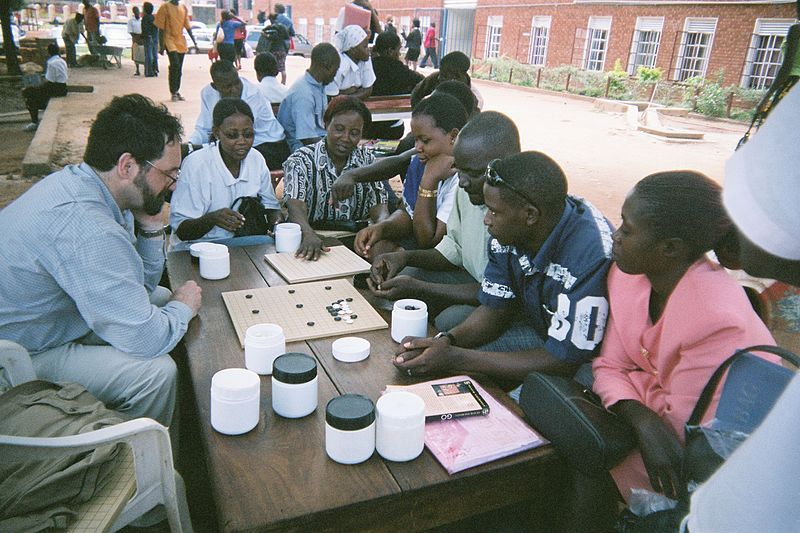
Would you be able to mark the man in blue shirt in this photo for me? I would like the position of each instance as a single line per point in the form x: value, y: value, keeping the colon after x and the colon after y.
x: 301, y: 112
x: 81, y: 254
x: 548, y: 258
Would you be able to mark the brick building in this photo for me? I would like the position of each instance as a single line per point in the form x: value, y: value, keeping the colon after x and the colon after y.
x: 740, y: 38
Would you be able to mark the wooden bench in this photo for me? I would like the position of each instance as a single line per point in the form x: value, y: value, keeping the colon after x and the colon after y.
x: 396, y: 107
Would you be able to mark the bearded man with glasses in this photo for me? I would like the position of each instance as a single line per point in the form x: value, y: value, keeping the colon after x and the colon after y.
x: 81, y: 254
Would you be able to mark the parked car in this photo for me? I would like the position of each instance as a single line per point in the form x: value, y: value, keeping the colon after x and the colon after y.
x: 299, y: 46
x: 253, y: 34
x: 204, y: 38
x: 17, y: 33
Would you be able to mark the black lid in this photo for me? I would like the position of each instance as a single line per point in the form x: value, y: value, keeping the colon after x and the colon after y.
x: 294, y: 368
x: 350, y: 412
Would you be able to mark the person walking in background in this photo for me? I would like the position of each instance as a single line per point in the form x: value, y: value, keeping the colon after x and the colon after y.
x: 273, y: 40
x: 150, y: 41
x: 137, y: 44
x: 413, y: 44
x: 389, y: 26
x: 282, y: 18
x: 91, y: 20
x: 228, y: 26
x: 73, y: 28
x: 172, y: 19
x: 239, y: 35
x: 430, y: 47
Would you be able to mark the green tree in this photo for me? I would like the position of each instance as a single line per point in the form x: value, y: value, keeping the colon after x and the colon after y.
x: 7, y: 7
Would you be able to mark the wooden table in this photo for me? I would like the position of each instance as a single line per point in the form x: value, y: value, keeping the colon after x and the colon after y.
x: 278, y: 475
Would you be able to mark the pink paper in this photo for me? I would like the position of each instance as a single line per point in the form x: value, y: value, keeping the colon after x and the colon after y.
x: 471, y: 441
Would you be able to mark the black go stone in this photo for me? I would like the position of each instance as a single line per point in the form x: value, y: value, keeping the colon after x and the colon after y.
x: 349, y: 299
x: 337, y: 318
x: 327, y: 287
x: 310, y: 323
x: 248, y: 296
x: 353, y: 316
x: 255, y: 311
x: 410, y: 308
x: 291, y: 291
x: 299, y: 306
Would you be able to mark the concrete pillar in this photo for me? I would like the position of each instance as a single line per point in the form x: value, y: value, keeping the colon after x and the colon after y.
x: 51, y: 12
x: 66, y: 12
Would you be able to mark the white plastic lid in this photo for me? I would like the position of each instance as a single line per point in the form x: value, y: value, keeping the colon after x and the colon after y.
x: 264, y: 333
x: 235, y: 384
x: 214, y: 250
x: 350, y: 349
x: 398, y: 407
x: 197, y: 248
x: 410, y: 307
x: 287, y: 227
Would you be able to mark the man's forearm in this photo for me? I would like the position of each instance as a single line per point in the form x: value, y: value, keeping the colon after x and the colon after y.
x: 430, y: 259
x: 449, y: 294
x: 511, y: 365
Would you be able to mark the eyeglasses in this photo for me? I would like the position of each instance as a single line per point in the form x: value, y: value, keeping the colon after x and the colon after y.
x: 174, y: 178
x: 495, y: 180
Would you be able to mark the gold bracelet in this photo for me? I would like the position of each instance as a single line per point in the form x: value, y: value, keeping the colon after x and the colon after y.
x: 427, y: 193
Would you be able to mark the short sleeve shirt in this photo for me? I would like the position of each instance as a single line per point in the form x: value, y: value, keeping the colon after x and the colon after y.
x: 309, y: 175
x: 562, y: 289
x: 446, y: 191
x: 302, y: 111
x: 206, y: 185
x: 351, y: 74
x: 464, y: 244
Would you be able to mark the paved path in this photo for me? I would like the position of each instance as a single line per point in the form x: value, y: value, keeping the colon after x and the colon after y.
x: 601, y: 157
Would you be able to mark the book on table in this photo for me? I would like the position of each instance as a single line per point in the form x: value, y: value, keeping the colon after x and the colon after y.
x: 448, y: 400
x: 465, y: 441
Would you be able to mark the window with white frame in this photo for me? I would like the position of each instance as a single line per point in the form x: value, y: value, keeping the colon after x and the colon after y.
x: 494, y: 29
x: 302, y: 26
x: 405, y: 25
x: 424, y: 24
x: 540, y: 33
x: 696, y: 42
x: 594, y: 56
x: 646, y: 40
x: 765, y: 55
x: 319, y: 30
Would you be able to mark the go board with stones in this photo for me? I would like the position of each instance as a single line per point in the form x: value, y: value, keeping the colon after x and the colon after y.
x: 304, y: 311
x: 339, y: 262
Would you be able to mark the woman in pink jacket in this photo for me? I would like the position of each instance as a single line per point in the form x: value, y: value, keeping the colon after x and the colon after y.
x: 675, y: 317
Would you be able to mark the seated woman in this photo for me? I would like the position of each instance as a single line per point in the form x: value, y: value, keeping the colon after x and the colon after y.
x: 213, y: 177
x: 311, y: 170
x: 674, y: 318
x: 355, y: 76
x: 430, y: 185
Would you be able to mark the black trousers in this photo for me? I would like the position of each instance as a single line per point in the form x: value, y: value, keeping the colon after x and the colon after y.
x: 175, y: 71
x: 36, y: 98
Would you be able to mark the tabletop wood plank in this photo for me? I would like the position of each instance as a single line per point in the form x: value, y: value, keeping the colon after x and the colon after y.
x: 277, y: 474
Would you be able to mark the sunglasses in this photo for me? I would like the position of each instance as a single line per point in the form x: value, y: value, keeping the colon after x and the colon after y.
x: 174, y: 178
x: 495, y: 180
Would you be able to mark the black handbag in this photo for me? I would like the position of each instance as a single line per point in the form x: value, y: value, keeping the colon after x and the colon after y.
x: 751, y: 388
x: 591, y: 438
x: 256, y: 220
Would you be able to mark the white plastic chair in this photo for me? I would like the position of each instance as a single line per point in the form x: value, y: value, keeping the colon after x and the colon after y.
x: 155, y: 480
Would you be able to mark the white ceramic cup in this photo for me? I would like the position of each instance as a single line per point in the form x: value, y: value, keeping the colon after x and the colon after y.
x: 287, y: 237
x: 409, y: 319
x: 262, y: 344
x: 215, y: 261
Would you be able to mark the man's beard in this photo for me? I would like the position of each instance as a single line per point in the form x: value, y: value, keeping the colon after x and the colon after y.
x: 152, y: 204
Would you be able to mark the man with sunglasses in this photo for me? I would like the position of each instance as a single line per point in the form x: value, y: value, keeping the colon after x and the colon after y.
x: 548, y: 258
x: 81, y: 254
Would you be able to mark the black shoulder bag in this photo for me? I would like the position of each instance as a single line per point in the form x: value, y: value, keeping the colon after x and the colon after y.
x: 256, y: 220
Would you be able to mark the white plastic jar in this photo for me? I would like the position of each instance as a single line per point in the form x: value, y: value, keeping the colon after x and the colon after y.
x: 350, y: 429
x: 262, y: 344
x: 215, y: 261
x: 288, y: 237
x: 409, y: 319
x: 294, y: 385
x: 400, y: 426
x: 235, y: 400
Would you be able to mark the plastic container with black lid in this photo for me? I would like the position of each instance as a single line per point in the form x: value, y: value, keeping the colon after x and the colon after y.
x: 294, y: 385
x: 350, y: 429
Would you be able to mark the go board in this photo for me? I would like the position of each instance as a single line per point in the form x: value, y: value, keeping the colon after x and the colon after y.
x: 339, y: 262
x: 302, y: 310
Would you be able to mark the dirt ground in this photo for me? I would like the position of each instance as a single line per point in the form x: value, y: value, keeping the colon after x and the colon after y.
x: 602, y: 158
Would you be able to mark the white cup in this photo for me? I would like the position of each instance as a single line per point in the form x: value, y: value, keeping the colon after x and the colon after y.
x: 262, y: 344
x: 409, y: 319
x: 215, y: 261
x: 287, y: 237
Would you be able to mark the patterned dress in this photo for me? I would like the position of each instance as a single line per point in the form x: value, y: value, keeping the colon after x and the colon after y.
x: 309, y: 175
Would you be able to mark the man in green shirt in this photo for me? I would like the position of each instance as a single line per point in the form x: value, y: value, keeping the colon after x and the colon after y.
x: 448, y: 276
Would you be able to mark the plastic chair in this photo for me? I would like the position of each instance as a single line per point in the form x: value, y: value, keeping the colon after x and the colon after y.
x: 150, y: 459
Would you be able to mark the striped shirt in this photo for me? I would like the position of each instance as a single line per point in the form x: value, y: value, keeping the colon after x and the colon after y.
x: 70, y: 265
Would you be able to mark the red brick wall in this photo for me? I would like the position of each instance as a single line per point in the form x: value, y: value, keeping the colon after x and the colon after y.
x: 734, y: 27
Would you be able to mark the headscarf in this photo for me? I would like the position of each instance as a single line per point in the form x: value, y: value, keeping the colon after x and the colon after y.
x: 762, y: 182
x: 349, y: 37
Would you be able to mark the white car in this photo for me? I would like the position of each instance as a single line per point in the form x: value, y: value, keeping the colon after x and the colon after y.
x: 116, y: 34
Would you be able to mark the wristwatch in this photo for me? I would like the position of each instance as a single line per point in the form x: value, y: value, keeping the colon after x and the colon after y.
x: 152, y: 234
x: 447, y: 334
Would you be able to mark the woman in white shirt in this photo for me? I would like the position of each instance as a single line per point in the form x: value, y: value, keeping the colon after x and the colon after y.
x: 213, y: 177
x: 137, y: 42
x: 355, y: 76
